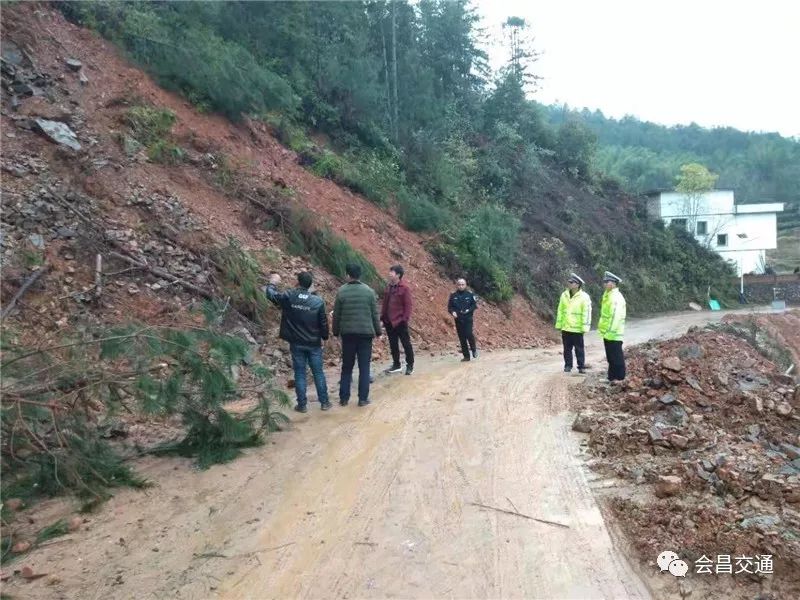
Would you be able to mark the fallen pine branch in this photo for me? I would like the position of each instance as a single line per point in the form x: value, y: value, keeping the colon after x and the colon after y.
x: 519, y: 514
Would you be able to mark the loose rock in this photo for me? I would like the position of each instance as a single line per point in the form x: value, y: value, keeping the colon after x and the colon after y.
x: 668, y: 485
x: 58, y: 133
x: 582, y: 424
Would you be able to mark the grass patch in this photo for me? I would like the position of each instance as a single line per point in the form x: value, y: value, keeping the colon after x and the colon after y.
x: 149, y: 124
x: 151, y: 127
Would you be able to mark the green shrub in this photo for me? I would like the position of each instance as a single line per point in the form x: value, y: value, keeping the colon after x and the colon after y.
x: 484, y: 275
x: 165, y: 152
x: 226, y: 173
x: 52, y: 531
x: 373, y: 176
x: 151, y: 127
x: 418, y: 213
x: 240, y: 280
x: 149, y: 124
x: 575, y: 148
x: 482, y: 249
x: 288, y: 132
x: 330, y: 166
x: 490, y: 232
x: 306, y: 237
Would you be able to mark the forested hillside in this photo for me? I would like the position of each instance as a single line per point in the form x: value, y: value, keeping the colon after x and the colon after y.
x: 161, y: 159
x: 760, y: 167
x: 396, y: 101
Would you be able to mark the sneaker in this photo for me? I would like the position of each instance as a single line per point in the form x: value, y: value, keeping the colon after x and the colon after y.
x: 301, y: 409
x: 475, y: 353
x: 325, y: 405
x: 582, y: 371
x: 363, y: 402
x: 567, y: 369
x: 409, y: 370
x: 343, y: 402
x: 394, y: 369
x: 465, y: 359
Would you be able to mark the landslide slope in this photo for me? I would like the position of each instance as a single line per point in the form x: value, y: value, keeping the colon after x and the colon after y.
x: 175, y: 211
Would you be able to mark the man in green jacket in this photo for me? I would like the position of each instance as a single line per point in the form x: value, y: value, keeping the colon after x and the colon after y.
x: 612, y: 326
x: 573, y: 319
x: 355, y: 319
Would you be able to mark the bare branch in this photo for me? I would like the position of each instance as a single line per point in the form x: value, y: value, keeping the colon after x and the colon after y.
x: 25, y: 286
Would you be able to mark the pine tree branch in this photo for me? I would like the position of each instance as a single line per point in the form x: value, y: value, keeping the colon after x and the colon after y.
x: 74, y: 344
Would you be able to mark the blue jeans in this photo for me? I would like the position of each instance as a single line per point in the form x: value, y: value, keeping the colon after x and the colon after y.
x: 355, y: 347
x: 308, y: 355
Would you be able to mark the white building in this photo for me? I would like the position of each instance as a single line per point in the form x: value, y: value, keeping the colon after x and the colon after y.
x: 740, y: 233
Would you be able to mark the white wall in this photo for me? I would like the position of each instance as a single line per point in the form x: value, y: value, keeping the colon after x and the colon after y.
x: 674, y: 204
x: 745, y: 261
x: 749, y: 232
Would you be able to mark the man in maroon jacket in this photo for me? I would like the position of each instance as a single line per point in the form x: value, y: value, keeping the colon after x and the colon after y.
x: 395, y: 315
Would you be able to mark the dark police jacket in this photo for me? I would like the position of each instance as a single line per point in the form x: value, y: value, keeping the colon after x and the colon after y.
x: 303, y: 318
x: 462, y: 303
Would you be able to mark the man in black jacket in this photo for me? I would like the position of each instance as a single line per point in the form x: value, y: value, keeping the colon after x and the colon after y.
x: 304, y: 324
x: 461, y: 306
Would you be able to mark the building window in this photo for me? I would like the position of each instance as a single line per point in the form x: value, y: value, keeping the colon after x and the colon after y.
x: 702, y: 227
x: 722, y: 239
x: 681, y: 223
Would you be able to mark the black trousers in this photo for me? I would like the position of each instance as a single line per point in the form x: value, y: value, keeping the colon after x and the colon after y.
x: 573, y: 340
x: 465, y: 336
x: 399, y: 335
x: 616, y: 360
x: 355, y: 346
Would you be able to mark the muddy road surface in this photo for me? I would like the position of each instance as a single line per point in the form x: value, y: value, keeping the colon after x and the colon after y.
x: 377, y: 502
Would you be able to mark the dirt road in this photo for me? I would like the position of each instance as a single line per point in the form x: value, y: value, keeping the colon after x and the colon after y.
x: 391, y: 492
x: 377, y: 502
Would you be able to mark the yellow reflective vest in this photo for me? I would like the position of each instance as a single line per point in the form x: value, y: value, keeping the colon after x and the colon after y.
x: 612, y: 315
x: 574, y: 312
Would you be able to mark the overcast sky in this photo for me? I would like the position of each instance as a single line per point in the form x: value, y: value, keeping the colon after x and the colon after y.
x: 672, y: 62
